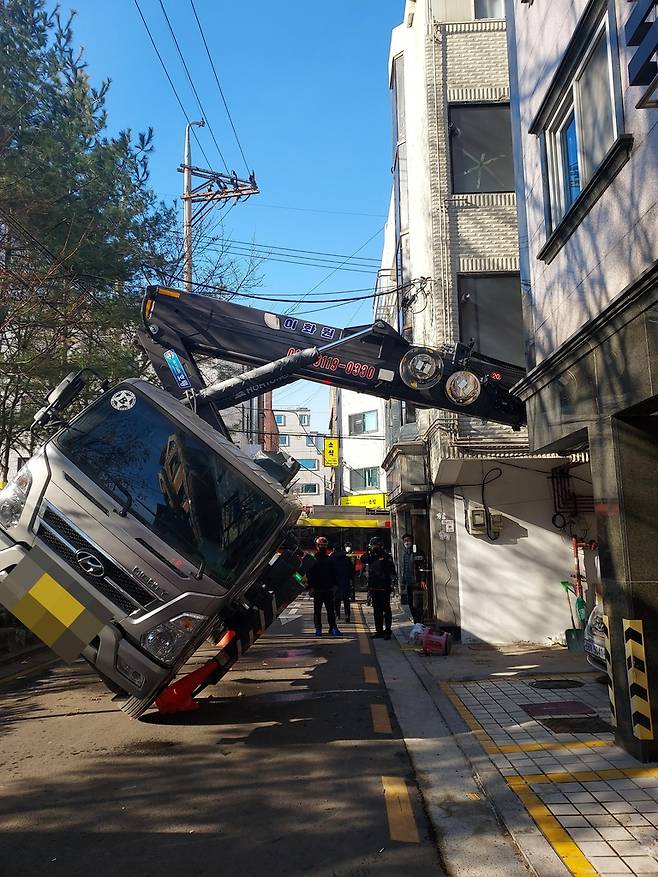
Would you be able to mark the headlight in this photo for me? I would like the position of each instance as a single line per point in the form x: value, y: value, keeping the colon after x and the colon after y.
x: 168, y: 639
x: 13, y: 498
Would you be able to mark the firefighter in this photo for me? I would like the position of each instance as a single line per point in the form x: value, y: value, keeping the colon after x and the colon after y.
x: 381, y: 570
x: 322, y: 585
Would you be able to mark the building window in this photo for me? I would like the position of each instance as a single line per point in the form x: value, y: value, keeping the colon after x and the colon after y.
x: 284, y: 441
x: 489, y: 8
x: 304, y: 419
x: 280, y: 419
x: 584, y: 126
x: 308, y: 463
x: 490, y: 314
x: 367, y: 421
x: 481, y: 148
x: 310, y: 441
x: 364, y: 479
x: 306, y: 488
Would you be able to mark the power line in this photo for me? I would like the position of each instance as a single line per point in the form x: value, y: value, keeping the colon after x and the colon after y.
x: 212, y: 64
x: 191, y: 81
x: 331, y: 273
x: 265, y: 257
x: 300, y: 250
x: 173, y: 87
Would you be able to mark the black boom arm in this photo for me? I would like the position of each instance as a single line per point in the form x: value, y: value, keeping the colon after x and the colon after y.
x: 373, y: 359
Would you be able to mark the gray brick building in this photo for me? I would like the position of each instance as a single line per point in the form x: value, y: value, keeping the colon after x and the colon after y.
x: 451, y: 261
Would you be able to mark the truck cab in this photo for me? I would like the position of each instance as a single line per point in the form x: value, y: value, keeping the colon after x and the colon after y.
x: 152, y: 526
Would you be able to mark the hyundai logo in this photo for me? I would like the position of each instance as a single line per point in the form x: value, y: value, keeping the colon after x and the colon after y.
x: 90, y: 564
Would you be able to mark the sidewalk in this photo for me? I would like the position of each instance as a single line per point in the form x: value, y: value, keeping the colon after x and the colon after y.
x: 521, y: 735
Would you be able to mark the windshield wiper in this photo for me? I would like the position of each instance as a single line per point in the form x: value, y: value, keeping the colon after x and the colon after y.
x: 127, y: 505
x: 200, y: 571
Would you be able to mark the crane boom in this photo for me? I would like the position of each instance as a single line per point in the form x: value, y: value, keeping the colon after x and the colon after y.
x: 373, y: 359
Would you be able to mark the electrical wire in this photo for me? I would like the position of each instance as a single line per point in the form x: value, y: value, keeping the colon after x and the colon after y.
x: 173, y: 87
x: 192, y: 85
x: 287, y: 259
x: 221, y: 92
x: 331, y: 273
x: 276, y: 298
x: 297, y: 250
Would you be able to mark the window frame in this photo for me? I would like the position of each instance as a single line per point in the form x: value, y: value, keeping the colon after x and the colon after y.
x: 280, y: 419
x: 304, y: 419
x: 572, y: 102
x: 298, y: 488
x: 460, y: 105
x: 351, y: 418
x: 485, y: 275
x: 311, y: 441
x: 366, y: 487
x: 284, y: 440
x: 313, y: 460
x: 488, y: 18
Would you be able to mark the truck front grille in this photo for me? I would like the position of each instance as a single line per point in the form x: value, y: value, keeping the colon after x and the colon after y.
x: 117, y: 585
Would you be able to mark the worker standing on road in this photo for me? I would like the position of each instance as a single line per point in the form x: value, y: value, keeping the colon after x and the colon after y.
x: 344, y: 578
x: 411, y: 578
x: 381, y: 570
x: 322, y: 585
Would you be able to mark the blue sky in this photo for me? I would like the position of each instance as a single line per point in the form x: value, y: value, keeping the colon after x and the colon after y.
x: 306, y: 85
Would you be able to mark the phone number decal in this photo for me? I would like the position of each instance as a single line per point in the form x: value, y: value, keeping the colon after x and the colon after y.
x: 335, y: 364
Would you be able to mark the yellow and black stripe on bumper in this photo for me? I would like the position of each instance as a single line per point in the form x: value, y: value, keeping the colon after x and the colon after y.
x: 53, y: 605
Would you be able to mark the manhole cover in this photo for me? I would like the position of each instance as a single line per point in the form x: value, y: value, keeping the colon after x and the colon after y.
x: 577, y: 725
x: 558, y: 709
x: 556, y: 683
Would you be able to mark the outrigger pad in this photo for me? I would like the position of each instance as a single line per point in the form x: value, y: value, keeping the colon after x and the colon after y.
x: 52, y: 605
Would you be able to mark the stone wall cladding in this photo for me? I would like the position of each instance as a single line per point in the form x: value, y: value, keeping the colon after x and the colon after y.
x: 466, y: 62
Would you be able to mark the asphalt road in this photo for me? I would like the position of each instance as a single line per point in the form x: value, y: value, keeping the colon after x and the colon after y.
x: 293, y: 765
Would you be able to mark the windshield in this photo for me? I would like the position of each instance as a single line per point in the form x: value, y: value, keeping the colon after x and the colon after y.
x: 171, y: 481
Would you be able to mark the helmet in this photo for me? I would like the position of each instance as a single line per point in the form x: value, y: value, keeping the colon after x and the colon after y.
x: 322, y: 542
x: 376, y: 540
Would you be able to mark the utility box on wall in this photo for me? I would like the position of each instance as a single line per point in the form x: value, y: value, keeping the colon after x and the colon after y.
x: 476, y: 522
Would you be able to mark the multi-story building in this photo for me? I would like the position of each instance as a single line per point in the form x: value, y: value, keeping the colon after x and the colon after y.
x: 359, y: 422
x: 584, y: 78
x: 297, y: 438
x: 479, y: 507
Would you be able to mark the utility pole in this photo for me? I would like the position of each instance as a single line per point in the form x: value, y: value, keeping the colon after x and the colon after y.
x: 187, y: 205
x: 213, y: 188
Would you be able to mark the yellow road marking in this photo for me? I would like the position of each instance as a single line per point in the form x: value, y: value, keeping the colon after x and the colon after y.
x: 381, y: 721
x: 401, y: 822
x: 558, y: 838
x: 370, y: 675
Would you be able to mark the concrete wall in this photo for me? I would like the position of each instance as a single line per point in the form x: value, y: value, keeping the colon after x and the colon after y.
x: 616, y: 240
x: 510, y: 589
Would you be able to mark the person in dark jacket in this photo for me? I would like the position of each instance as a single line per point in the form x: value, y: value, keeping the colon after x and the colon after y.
x: 322, y: 583
x: 344, y: 579
x: 411, y: 578
x: 381, y: 570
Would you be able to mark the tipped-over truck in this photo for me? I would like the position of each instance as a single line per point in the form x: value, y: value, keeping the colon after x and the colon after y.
x: 139, y: 529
